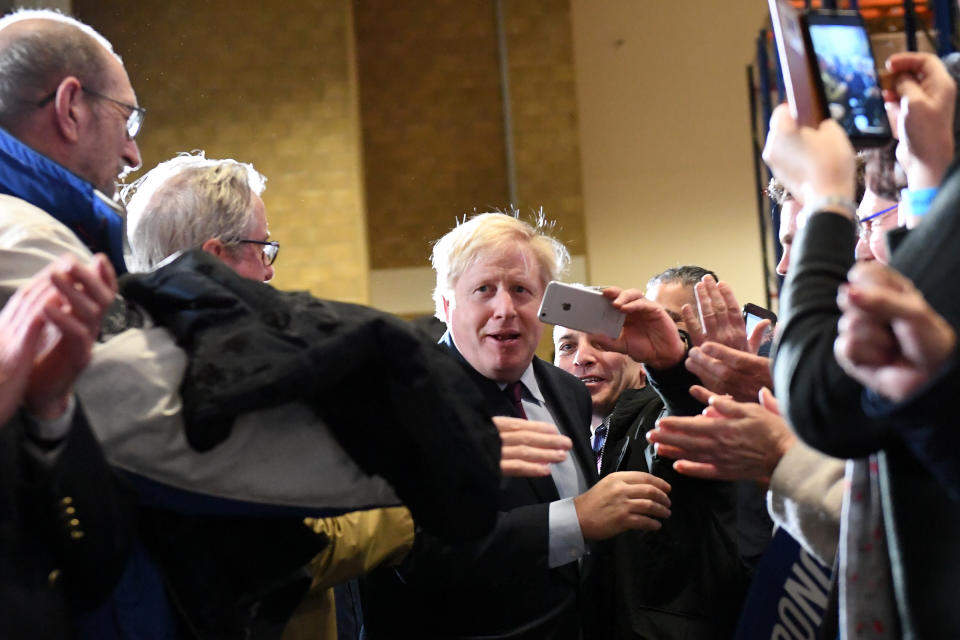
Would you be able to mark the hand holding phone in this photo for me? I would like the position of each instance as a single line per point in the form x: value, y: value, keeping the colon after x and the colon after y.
x: 580, y: 308
x: 830, y: 71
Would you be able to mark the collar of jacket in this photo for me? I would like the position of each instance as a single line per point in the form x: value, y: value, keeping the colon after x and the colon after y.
x: 629, y: 405
x: 97, y: 220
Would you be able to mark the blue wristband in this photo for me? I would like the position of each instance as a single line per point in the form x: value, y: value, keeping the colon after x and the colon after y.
x: 918, y: 200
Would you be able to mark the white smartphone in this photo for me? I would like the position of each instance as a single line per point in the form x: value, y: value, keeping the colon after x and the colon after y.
x: 582, y: 309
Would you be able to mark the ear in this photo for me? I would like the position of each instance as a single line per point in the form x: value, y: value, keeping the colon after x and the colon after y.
x: 215, y: 247
x: 447, y: 306
x: 70, y: 109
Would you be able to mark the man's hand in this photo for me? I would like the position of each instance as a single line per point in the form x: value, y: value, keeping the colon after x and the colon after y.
x: 528, y: 447
x: 926, y: 93
x: 718, y: 318
x: 622, y: 501
x: 729, y: 441
x: 810, y: 162
x: 76, y: 298
x: 889, y: 339
x: 728, y: 371
x: 649, y: 335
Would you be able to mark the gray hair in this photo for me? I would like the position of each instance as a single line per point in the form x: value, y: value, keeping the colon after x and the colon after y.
x: 455, y: 252
x: 184, y: 202
x: 688, y: 275
x: 34, y: 61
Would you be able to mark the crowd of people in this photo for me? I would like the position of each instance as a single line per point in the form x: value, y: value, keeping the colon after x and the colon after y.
x: 187, y: 452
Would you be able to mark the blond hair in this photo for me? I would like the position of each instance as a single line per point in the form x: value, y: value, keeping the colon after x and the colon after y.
x: 460, y: 248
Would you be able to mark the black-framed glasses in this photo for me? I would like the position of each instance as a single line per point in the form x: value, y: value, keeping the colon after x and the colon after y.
x: 270, y: 250
x: 134, y: 120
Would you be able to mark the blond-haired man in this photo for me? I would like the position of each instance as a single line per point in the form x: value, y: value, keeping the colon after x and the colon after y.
x: 530, y: 577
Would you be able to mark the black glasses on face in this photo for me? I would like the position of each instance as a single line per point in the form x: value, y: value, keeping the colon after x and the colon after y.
x: 134, y: 120
x: 270, y: 250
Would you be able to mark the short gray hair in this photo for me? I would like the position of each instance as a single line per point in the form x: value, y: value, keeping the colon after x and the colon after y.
x: 455, y: 252
x: 687, y: 275
x: 184, y: 202
x: 34, y: 61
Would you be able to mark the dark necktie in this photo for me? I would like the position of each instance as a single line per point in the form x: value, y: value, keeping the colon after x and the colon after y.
x: 514, y: 390
x: 599, y: 437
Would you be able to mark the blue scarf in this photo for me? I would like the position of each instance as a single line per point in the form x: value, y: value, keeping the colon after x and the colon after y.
x: 95, y: 218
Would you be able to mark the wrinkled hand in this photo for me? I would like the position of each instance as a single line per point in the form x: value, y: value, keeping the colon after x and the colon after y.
x: 528, y: 447
x: 718, y: 318
x: 729, y: 441
x: 889, y: 339
x: 926, y: 93
x: 649, y: 335
x: 622, y: 501
x: 728, y: 371
x: 77, y: 297
x: 810, y: 162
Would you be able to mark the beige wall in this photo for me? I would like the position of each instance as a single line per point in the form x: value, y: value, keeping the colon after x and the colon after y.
x: 273, y: 84
x: 665, y: 138
x: 631, y: 125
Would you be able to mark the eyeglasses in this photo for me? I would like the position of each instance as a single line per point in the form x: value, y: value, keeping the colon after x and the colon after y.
x: 867, y: 222
x: 270, y: 250
x: 134, y: 120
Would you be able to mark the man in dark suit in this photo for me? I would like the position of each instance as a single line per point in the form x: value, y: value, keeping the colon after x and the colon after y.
x: 530, y: 577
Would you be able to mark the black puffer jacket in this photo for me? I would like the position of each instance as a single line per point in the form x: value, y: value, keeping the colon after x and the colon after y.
x: 400, y: 406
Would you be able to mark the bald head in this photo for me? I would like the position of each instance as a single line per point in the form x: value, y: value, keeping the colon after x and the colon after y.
x: 65, y: 93
x: 38, y: 49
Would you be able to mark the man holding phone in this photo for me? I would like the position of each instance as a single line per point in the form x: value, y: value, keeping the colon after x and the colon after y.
x: 530, y: 575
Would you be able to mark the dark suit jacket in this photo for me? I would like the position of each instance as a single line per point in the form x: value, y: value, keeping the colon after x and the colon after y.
x: 65, y: 532
x: 498, y: 586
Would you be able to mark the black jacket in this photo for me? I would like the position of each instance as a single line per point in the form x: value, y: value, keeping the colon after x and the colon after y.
x: 65, y: 532
x: 499, y: 586
x: 686, y: 580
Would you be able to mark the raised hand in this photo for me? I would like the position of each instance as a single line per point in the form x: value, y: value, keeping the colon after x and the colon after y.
x: 649, y: 335
x: 724, y: 370
x: 717, y: 318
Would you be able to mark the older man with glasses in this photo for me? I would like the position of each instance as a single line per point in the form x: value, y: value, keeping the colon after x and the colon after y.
x: 191, y: 202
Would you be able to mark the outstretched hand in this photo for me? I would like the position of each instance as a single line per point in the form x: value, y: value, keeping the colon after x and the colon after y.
x: 529, y: 447
x: 728, y: 371
x: 729, y: 441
